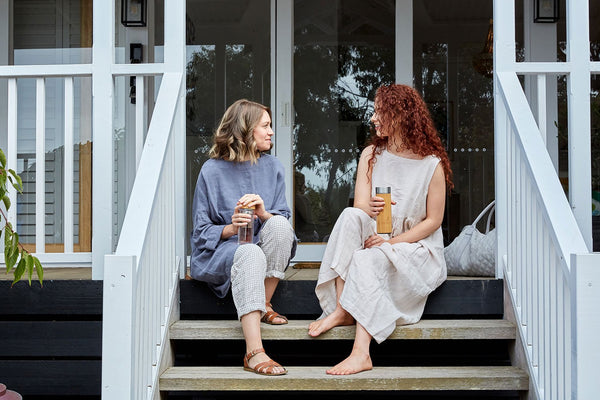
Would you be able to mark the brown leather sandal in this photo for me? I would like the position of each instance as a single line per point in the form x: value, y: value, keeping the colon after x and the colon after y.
x: 270, y: 316
x: 263, y: 368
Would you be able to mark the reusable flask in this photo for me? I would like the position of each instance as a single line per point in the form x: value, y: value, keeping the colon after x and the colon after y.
x: 246, y: 233
x: 384, y: 219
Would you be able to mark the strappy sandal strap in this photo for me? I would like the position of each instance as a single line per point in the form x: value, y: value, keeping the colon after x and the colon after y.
x: 254, y: 352
x: 266, y: 368
x: 271, y: 315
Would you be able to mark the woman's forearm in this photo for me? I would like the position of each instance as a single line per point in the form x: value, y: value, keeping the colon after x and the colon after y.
x: 229, y: 231
x: 418, y: 232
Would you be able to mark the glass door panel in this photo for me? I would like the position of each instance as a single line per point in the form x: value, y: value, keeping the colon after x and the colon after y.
x: 228, y: 58
x: 343, y: 51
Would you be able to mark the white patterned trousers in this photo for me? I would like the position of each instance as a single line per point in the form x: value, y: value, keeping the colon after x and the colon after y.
x: 252, y: 263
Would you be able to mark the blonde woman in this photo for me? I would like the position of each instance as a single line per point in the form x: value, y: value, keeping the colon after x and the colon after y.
x: 238, y: 175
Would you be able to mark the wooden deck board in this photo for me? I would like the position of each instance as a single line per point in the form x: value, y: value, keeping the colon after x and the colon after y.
x: 297, y: 330
x: 301, y: 273
x: 315, y: 379
x: 62, y: 274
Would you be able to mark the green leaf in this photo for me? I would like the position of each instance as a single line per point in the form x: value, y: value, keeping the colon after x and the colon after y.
x: 8, y: 249
x: 7, y: 242
x: 6, y: 201
x: 19, y: 271
x: 3, y: 179
x: 14, y: 251
x: 2, y: 159
x: 19, y: 185
x: 39, y: 270
x: 29, y: 266
x: 15, y: 242
x: 14, y: 255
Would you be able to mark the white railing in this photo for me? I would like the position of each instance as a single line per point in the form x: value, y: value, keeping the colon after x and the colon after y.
x: 141, y: 278
x: 552, y: 279
x: 41, y: 73
x: 67, y: 253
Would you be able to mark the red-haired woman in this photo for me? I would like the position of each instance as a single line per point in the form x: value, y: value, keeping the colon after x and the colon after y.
x: 378, y: 280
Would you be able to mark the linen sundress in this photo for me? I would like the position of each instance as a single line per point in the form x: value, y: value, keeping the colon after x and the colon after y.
x: 385, y: 285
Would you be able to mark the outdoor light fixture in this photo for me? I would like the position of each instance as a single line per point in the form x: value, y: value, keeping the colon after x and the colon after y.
x: 545, y: 11
x: 133, y: 12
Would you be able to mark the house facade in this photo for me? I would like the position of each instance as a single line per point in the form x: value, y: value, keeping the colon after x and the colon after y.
x: 109, y: 109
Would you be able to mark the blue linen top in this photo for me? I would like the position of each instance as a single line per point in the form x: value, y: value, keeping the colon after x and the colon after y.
x: 219, y: 186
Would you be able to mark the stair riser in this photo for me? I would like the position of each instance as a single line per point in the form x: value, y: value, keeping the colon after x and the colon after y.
x: 454, y: 298
x: 329, y: 353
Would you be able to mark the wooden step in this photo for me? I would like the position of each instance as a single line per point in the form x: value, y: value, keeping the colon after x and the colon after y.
x: 297, y: 330
x: 315, y: 379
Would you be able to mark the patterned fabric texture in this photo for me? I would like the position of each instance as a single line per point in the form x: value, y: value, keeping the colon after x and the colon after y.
x: 252, y: 263
x: 473, y: 253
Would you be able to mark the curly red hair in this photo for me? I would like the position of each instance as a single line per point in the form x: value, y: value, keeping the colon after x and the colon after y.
x: 402, y: 113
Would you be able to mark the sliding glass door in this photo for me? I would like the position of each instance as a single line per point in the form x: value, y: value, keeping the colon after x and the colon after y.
x: 338, y: 54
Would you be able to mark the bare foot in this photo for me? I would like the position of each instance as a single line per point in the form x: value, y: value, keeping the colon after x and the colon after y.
x: 355, y: 363
x: 339, y: 317
x: 262, y: 357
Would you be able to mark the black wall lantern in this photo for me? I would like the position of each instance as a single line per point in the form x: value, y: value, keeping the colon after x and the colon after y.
x: 545, y: 11
x: 133, y: 12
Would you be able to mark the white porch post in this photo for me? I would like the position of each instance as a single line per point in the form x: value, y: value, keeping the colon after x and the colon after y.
x: 504, y: 59
x: 175, y: 61
x: 102, y: 125
x: 5, y: 50
x: 578, y: 89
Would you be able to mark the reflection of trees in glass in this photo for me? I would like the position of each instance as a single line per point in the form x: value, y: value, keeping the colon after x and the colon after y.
x: 200, y: 83
x: 202, y: 114
x: 433, y: 83
x: 475, y: 105
x: 333, y: 96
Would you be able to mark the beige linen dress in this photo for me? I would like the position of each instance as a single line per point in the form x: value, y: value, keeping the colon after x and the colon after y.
x: 388, y: 284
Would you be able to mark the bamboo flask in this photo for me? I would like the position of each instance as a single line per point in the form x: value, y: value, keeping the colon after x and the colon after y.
x: 384, y: 219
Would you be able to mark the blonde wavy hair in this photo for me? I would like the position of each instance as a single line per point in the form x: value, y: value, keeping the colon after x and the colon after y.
x: 234, y: 138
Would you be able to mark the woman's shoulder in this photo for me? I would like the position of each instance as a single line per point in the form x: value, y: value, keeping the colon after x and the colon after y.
x: 270, y: 161
x: 367, y: 152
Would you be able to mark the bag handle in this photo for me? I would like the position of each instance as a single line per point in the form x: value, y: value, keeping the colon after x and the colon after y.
x: 485, y: 210
x: 489, y: 219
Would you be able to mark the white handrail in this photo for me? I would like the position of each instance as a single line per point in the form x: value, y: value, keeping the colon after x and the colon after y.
x: 567, y: 235
x: 541, y: 237
x: 141, y: 278
x: 46, y: 71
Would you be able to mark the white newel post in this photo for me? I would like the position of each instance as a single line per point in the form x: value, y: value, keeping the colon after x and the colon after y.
x: 175, y: 61
x: 102, y: 126
x: 118, y: 328
x: 585, y: 347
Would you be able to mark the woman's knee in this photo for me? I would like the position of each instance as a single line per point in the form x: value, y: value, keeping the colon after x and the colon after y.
x: 278, y: 223
x: 248, y: 257
x: 277, y: 228
x: 353, y: 213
